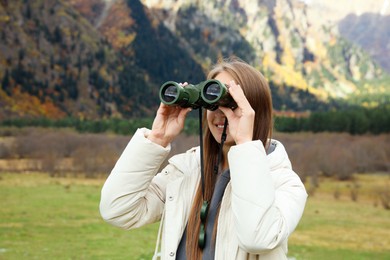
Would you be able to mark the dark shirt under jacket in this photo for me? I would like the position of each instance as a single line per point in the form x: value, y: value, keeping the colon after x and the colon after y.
x: 209, y: 249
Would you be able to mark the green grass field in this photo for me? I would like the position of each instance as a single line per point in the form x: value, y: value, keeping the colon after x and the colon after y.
x: 58, y: 218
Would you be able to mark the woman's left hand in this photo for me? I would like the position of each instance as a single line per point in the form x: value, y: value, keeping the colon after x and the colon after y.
x: 241, y: 120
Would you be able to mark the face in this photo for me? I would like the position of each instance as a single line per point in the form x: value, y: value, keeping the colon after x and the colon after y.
x: 216, y: 119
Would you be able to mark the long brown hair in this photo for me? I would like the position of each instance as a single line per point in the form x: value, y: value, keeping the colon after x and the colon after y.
x: 257, y: 92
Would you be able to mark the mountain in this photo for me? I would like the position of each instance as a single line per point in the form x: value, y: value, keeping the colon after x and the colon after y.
x: 55, y: 61
x: 364, y: 23
x: 96, y: 58
x: 280, y: 38
x: 364, y: 31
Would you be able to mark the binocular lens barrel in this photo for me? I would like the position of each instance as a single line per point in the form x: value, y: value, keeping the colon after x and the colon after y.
x: 170, y: 93
x: 211, y: 92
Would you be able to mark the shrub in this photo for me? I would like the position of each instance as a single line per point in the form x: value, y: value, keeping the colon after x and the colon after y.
x: 338, y: 155
x: 384, y: 197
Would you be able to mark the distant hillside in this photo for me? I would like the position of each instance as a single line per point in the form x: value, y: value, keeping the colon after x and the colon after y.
x: 362, y: 22
x: 54, y: 62
x: 365, y: 30
x: 97, y: 58
x: 277, y: 36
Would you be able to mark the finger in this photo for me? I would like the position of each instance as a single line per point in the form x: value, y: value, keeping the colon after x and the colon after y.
x: 238, y: 95
x: 162, y: 108
x: 228, y: 112
x: 162, y: 105
x: 183, y: 113
x: 166, y: 109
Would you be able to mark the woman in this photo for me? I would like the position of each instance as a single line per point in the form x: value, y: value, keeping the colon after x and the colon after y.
x: 253, y: 198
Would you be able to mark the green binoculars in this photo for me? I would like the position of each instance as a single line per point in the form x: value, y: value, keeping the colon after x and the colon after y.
x: 209, y: 94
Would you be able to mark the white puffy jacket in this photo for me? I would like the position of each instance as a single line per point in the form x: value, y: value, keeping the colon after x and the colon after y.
x: 261, y: 206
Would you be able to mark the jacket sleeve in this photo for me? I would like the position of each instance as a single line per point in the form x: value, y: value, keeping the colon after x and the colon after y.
x: 133, y: 195
x: 266, y: 206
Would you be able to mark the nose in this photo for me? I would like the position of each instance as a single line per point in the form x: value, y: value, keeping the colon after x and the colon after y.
x: 218, y: 112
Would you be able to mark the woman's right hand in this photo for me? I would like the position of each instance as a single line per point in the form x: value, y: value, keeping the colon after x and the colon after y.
x: 167, y: 124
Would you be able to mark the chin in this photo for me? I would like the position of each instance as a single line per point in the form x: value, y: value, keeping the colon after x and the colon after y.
x: 229, y: 141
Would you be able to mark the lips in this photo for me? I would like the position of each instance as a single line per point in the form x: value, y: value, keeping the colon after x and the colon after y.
x: 219, y: 125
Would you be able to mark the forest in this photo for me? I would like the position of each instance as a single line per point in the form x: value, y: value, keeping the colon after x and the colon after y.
x: 355, y: 121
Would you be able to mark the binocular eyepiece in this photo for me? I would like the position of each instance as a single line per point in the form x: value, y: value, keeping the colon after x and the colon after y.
x: 209, y: 94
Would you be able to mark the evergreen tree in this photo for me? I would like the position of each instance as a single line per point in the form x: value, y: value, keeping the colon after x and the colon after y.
x: 5, y: 82
x: 28, y: 11
x: 57, y: 35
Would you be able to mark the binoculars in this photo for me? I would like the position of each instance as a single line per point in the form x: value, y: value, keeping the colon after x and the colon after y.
x: 209, y: 94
